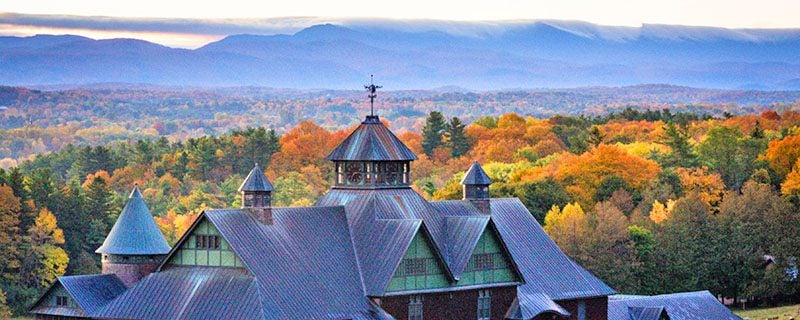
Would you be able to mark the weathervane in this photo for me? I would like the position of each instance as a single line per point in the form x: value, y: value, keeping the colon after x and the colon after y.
x: 372, y: 89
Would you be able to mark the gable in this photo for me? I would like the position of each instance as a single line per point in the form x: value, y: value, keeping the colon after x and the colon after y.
x: 204, y: 246
x: 421, y: 269
x: 57, y: 301
x: 489, y: 262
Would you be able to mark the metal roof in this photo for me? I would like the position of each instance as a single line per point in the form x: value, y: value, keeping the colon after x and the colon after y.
x: 256, y: 181
x: 189, y: 293
x: 135, y: 232
x: 528, y: 306
x: 544, y: 267
x: 646, y: 313
x: 372, y: 141
x: 476, y: 176
x: 90, y: 292
x: 679, y: 306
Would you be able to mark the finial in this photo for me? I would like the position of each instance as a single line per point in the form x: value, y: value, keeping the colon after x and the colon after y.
x: 372, y: 89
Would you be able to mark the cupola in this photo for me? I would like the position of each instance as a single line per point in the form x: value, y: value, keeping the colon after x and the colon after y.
x: 476, y: 187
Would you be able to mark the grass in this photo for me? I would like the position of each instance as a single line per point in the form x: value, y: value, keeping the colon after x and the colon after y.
x: 779, y: 313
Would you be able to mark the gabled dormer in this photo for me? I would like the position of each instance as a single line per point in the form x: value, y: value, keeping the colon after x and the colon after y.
x: 372, y: 157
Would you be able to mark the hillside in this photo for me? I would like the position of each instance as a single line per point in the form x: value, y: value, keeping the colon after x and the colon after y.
x: 416, y: 55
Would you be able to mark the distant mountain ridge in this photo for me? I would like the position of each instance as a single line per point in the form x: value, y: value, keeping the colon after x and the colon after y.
x: 475, y: 56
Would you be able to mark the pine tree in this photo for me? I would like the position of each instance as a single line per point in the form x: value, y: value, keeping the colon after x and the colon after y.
x: 595, y: 136
x: 457, y: 138
x: 681, y: 153
x: 435, y: 127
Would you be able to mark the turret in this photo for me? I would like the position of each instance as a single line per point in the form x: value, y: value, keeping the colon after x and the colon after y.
x: 257, y: 195
x: 135, y: 245
x: 372, y: 157
x: 476, y: 187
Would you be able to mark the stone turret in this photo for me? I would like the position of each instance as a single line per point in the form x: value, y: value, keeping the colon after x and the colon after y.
x: 256, y: 193
x: 476, y: 187
x: 135, y: 246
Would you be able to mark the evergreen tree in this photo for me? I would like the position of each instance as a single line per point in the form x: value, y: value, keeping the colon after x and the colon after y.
x: 681, y: 153
x: 432, y: 132
x: 457, y: 139
x: 595, y: 136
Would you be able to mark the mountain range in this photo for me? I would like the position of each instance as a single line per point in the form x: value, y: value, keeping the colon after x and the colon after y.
x: 541, y: 54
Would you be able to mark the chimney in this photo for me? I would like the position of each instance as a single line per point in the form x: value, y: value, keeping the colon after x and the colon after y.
x: 262, y: 215
x: 476, y: 188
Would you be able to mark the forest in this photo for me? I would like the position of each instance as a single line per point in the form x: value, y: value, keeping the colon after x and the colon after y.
x: 649, y: 200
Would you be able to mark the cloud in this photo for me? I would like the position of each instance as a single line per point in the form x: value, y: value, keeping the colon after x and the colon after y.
x: 162, y: 25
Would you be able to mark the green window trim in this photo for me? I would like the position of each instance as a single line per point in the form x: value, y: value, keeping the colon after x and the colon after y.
x: 204, y: 246
x: 420, y: 269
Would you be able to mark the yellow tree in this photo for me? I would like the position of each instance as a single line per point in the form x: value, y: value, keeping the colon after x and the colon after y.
x: 568, y: 228
x: 47, y: 260
x: 782, y: 154
x: 791, y: 186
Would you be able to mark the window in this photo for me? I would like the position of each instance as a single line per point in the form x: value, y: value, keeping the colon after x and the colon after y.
x: 581, y: 310
x: 484, y: 304
x: 484, y: 261
x: 416, y: 267
x: 415, y: 307
x: 207, y: 242
x: 62, y: 301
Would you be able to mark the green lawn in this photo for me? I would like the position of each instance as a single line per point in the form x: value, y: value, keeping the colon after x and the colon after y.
x: 779, y: 313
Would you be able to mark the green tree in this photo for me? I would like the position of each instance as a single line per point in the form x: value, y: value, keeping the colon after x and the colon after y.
x: 432, y: 132
x: 456, y: 138
x: 685, y: 246
x: 681, y: 153
x: 728, y: 152
x: 595, y: 136
x: 645, y: 273
x: 608, y: 186
x: 539, y: 196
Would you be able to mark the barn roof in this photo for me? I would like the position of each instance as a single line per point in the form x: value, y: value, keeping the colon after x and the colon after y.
x: 90, y: 292
x: 646, y: 313
x: 679, y: 306
x: 476, y: 176
x: 545, y: 268
x: 372, y: 141
x: 256, y: 181
x: 302, y: 266
x: 135, y: 232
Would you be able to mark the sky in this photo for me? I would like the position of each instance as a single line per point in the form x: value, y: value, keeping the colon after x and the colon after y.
x: 190, y: 24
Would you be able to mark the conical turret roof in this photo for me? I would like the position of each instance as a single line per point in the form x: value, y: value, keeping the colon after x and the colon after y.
x: 256, y: 181
x: 372, y: 141
x: 135, y: 232
x: 476, y: 176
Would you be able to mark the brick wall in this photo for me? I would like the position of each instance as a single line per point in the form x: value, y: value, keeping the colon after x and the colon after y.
x: 452, y: 305
x: 129, y: 273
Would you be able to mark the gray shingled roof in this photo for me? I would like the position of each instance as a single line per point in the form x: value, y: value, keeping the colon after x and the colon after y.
x: 528, y: 306
x: 372, y: 141
x: 256, y: 181
x: 135, y: 232
x: 476, y: 176
x: 679, y: 306
x: 90, y: 292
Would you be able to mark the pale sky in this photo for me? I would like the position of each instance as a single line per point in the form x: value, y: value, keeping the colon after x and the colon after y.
x: 718, y: 13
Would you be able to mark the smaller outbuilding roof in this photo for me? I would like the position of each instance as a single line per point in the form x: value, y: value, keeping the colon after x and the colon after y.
x: 476, y: 176
x: 135, y: 232
x: 90, y: 292
x: 647, y: 313
x: 256, y: 181
x: 679, y: 306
